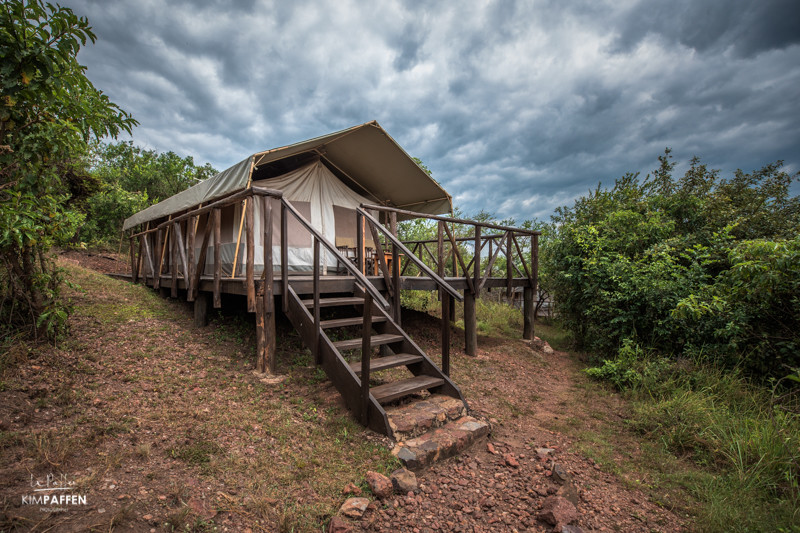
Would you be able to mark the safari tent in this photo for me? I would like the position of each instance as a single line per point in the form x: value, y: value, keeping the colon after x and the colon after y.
x: 325, y: 179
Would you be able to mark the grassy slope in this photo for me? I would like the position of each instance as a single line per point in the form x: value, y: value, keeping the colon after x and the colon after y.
x: 174, y: 419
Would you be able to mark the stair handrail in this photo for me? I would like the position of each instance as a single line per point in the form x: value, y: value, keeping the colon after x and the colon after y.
x: 446, y: 287
x: 350, y: 267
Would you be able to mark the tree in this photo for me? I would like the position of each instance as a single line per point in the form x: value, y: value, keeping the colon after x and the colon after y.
x: 49, y: 110
x: 131, y: 178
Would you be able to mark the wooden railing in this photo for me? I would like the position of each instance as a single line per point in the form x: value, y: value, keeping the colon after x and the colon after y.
x: 474, y: 272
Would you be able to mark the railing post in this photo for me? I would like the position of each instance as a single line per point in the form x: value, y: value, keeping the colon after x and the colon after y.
x: 395, y: 269
x: 509, y: 265
x: 191, y: 231
x: 360, y: 241
x: 249, y: 267
x: 440, y: 253
x: 173, y: 263
x: 366, y: 353
x: 317, y: 358
x: 217, y: 256
x: 446, y: 303
x: 284, y: 257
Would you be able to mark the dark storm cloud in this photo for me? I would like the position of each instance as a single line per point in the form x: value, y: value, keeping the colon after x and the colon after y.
x: 517, y: 107
x: 748, y: 26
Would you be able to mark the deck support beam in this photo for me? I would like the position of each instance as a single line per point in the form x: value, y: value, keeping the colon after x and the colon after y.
x: 265, y: 336
x: 470, y: 324
x: 201, y: 310
x: 528, y: 310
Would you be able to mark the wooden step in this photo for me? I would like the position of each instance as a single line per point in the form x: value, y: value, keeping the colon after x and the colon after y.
x: 389, y: 361
x: 375, y: 340
x: 392, y: 391
x: 355, y: 321
x: 334, y: 302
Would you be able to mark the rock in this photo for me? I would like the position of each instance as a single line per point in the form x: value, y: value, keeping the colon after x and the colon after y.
x: 571, y: 529
x: 352, y: 488
x: 404, y: 481
x: 354, y: 507
x: 541, y: 345
x: 339, y: 525
x: 544, y: 452
x: 490, y: 448
x: 511, y: 460
x: 558, y: 511
x: 560, y: 474
x: 148, y: 517
x: 568, y: 491
x: 380, y: 485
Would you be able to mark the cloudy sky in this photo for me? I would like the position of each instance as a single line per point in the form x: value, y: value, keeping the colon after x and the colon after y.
x: 516, y: 107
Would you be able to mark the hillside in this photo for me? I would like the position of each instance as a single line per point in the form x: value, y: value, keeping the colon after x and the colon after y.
x: 165, y: 427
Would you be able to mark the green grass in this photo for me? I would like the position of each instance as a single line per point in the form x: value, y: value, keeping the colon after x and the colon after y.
x: 743, y: 446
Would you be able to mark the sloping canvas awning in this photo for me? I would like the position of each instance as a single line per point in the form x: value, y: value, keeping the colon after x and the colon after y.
x: 365, y: 155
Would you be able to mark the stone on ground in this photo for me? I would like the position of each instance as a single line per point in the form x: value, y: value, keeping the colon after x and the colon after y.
x: 404, y: 481
x: 354, y: 507
x: 558, y: 511
x: 380, y: 485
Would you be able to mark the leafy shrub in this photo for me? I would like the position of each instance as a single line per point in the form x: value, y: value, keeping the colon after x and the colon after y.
x: 696, y: 266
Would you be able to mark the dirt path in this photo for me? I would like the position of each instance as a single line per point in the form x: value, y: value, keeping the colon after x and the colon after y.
x: 529, y: 396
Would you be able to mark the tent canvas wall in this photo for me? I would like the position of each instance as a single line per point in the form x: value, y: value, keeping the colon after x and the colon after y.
x: 327, y: 203
x: 325, y: 178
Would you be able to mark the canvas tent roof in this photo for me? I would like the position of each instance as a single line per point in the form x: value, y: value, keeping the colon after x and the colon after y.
x: 364, y: 154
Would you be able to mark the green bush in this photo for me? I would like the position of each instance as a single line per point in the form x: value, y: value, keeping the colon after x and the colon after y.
x: 683, y: 267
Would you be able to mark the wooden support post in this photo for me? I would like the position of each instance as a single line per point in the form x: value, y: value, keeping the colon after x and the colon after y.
x: 250, y: 267
x: 476, y: 260
x: 452, y: 309
x: 509, y: 265
x: 440, y: 254
x: 446, y: 303
x: 267, y: 356
x: 173, y: 265
x: 528, y: 310
x: 360, y: 241
x: 317, y: 332
x: 268, y: 274
x: 284, y: 256
x: 262, y: 354
x: 366, y: 354
x: 470, y: 324
x: 191, y: 232
x: 395, y: 270
x: 217, y: 227
x: 201, y: 309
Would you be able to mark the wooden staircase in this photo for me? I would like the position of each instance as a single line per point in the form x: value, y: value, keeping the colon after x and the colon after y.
x: 338, y: 342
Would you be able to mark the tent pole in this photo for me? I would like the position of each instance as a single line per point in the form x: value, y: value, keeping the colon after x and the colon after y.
x: 238, y: 240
